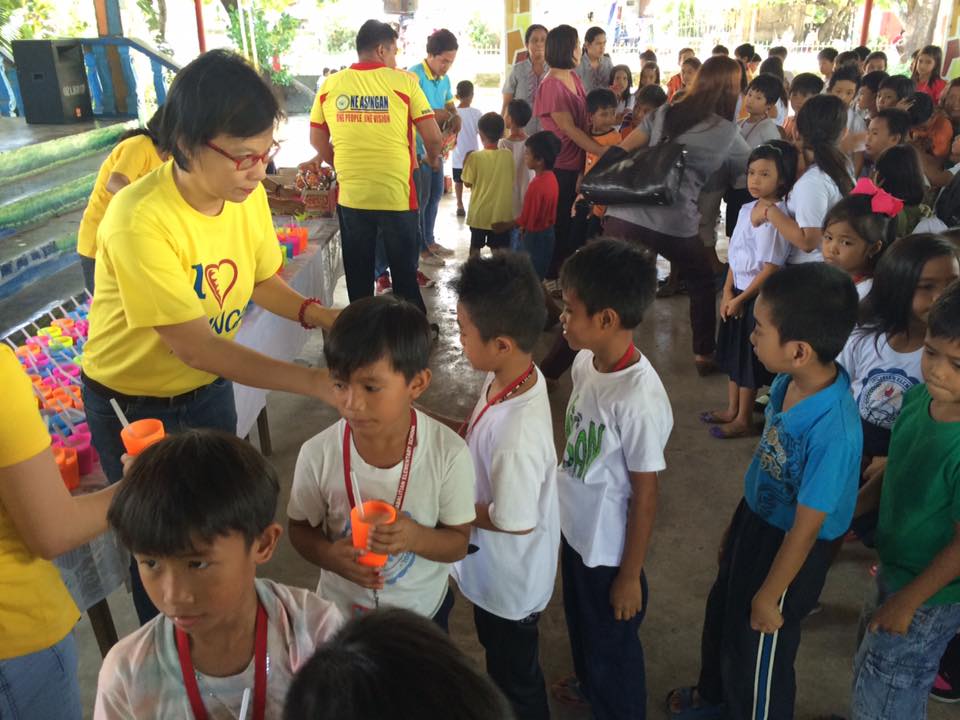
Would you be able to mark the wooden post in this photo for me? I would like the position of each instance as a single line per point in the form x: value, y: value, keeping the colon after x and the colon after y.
x: 109, y: 24
x: 865, y: 28
x: 201, y: 36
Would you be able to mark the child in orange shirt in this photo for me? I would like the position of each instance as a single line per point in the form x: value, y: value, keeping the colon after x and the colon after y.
x: 931, y: 131
x: 602, y: 110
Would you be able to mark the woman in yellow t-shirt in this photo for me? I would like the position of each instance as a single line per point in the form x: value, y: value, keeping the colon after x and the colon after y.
x: 180, y: 255
x: 134, y: 156
x: 38, y: 521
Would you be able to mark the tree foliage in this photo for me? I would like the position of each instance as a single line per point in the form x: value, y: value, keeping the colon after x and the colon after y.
x: 272, y: 40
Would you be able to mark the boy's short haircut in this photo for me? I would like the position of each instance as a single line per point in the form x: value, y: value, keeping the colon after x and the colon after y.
x: 491, y: 126
x: 777, y: 51
x: 373, y: 34
x: 692, y: 62
x: 684, y: 51
x: 900, y: 84
x: 770, y: 86
x: 599, y: 99
x: 464, y: 89
x: 877, y: 55
x: 921, y: 108
x: 720, y: 50
x: 652, y: 96
x: 863, y: 52
x: 872, y: 80
x: 504, y: 298
x: 545, y: 146
x: 745, y: 51
x: 756, y: 58
x: 392, y: 663
x: 848, y: 57
x: 519, y: 111
x: 806, y: 84
x: 441, y: 41
x: 845, y: 72
x: 191, y: 488
x: 828, y: 53
x: 648, y: 56
x: 773, y: 65
x: 813, y: 303
x: 612, y: 274
x: 378, y: 328
x: 944, y: 319
x: 898, y: 121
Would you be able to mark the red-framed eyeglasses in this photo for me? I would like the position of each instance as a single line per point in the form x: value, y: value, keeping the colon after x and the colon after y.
x: 246, y: 162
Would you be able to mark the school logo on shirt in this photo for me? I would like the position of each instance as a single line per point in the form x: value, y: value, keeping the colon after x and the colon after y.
x: 363, y: 108
x: 779, y: 460
x: 583, y: 443
x: 218, y: 279
x: 882, y: 395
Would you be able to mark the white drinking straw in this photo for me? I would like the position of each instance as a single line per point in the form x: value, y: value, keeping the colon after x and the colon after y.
x: 63, y: 415
x: 244, y: 704
x: 356, y: 494
x: 120, y: 416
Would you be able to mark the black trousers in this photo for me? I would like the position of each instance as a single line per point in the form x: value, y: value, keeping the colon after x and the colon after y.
x: 565, y: 245
x: 752, y: 673
x: 513, y: 661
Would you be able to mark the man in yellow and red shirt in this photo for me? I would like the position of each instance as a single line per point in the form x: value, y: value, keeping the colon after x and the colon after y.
x: 362, y: 123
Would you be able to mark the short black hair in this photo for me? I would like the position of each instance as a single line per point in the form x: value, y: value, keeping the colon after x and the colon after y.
x: 720, y: 50
x: 845, y: 72
x: 441, y: 41
x: 374, y: 328
x: 806, y: 84
x: 898, y: 121
x: 648, y: 56
x: 863, y: 52
x: 877, y: 55
x: 899, y: 173
x: 777, y: 51
x: 464, y: 89
x: 491, y: 126
x: 600, y: 98
x: 562, y: 41
x: 921, y: 108
x: 650, y: 96
x: 612, y: 274
x: 392, y: 663
x: 756, y: 58
x: 745, y: 51
x: 372, y: 34
x: 504, y: 298
x: 218, y: 93
x: 519, y: 111
x: 813, y: 303
x: 693, y: 62
x: 903, y: 86
x: 545, y: 146
x: 828, y: 53
x: 786, y: 158
x: 773, y: 65
x: 944, y: 318
x: 190, y: 488
x: 531, y: 30
x: 770, y: 86
x: 872, y: 80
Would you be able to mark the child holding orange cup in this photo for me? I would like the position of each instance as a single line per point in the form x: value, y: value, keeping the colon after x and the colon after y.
x: 362, y: 518
x: 141, y: 434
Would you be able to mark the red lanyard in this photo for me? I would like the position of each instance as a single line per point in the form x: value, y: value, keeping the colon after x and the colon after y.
x: 404, y: 472
x: 499, y: 397
x: 259, y: 668
x: 625, y: 360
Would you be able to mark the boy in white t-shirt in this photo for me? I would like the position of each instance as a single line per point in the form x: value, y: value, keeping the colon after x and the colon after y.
x: 518, y: 116
x: 197, y: 512
x: 377, y: 352
x: 467, y: 140
x: 617, y: 424
x: 510, y: 578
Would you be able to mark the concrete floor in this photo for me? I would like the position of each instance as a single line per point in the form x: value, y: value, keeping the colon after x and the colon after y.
x: 699, y: 491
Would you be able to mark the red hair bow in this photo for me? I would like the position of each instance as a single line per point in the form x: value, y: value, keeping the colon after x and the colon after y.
x: 882, y: 201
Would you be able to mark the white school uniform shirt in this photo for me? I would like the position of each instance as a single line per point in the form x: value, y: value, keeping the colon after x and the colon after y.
x: 856, y: 124
x: 512, y: 576
x: 812, y: 196
x: 522, y: 175
x: 864, y: 287
x: 879, y: 376
x: 751, y: 247
x: 467, y: 139
x: 440, y: 490
x: 141, y: 675
x: 616, y: 423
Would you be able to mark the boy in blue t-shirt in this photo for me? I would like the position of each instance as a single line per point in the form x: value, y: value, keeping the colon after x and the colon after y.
x: 799, y: 495
x: 918, y: 535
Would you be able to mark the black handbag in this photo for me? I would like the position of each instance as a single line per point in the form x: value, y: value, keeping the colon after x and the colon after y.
x: 646, y: 176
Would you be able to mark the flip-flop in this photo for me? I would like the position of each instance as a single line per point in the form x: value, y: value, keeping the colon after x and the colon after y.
x: 719, y: 434
x: 711, y: 417
x: 688, y: 711
x: 568, y: 692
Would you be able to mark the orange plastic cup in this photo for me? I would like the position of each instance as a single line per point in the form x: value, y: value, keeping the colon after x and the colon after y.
x: 375, y: 512
x: 140, y: 435
x: 66, y: 458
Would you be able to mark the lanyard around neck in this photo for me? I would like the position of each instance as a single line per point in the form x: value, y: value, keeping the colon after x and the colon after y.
x: 259, y: 668
x: 404, y: 472
x: 625, y: 360
x: 509, y: 390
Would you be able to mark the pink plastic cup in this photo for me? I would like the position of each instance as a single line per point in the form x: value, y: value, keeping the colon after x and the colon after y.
x: 86, y: 457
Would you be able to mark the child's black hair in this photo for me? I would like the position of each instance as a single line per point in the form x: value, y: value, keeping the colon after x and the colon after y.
x: 888, y: 307
x: 624, y: 69
x: 863, y: 52
x: 599, y: 99
x: 935, y: 52
x: 778, y: 51
x: 872, y: 80
x: 773, y: 65
x: 899, y: 173
x: 648, y: 56
x: 828, y: 53
x: 847, y: 57
x: 921, y: 109
x: 218, y: 93
x: 944, y: 318
x: 770, y: 86
x: 898, y: 121
x: 785, y: 156
x: 491, y: 126
x: 519, y: 111
x: 806, y: 84
x: 876, y: 55
x: 191, y: 488
x: 372, y: 329
x: 903, y: 86
x: 649, y: 66
x: 464, y: 89
x: 813, y: 303
x: 720, y: 50
x: 820, y: 123
x: 848, y: 72
x: 392, y: 663
x: 872, y: 227
x: 545, y: 146
x: 744, y: 51
x: 652, y: 96
x: 692, y: 62
x: 612, y: 274
x: 373, y: 34
x: 504, y: 298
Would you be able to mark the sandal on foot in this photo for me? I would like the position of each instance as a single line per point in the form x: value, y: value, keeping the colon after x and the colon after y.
x: 688, y: 710
x: 705, y: 367
x: 719, y: 433
x: 711, y: 417
x: 568, y: 692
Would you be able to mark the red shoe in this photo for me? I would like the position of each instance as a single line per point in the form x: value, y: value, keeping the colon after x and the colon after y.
x: 424, y: 281
x: 383, y: 284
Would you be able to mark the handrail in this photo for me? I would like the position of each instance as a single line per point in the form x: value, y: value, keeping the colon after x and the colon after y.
x: 100, y: 77
x: 151, y: 52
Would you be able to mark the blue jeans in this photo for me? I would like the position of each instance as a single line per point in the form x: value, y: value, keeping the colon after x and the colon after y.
x: 539, y: 246
x: 214, y: 407
x: 381, y: 265
x: 88, y: 266
x: 893, y: 674
x: 42, y: 684
x: 431, y: 190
